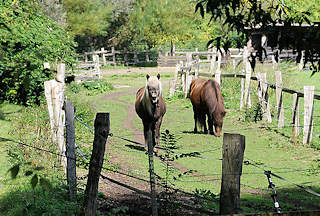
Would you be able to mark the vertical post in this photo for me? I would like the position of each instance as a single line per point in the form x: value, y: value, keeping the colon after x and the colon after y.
x: 71, y: 153
x: 295, y: 117
x: 233, y: 150
x: 308, y: 114
x: 150, y: 141
x: 265, y: 98
x: 197, y: 67
x: 101, y: 132
x: 175, y: 77
x: 213, y: 60
x: 59, y: 112
x: 241, y: 93
x: 187, y: 82
x: 301, y: 63
x: 103, y: 57
x: 113, y: 56
x: 218, y: 71
x: 279, y: 99
x: 85, y: 57
x: 96, y: 66
x: 48, y: 93
x: 247, y: 80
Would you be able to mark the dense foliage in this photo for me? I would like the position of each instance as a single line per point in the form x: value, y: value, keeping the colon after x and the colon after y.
x: 28, y: 39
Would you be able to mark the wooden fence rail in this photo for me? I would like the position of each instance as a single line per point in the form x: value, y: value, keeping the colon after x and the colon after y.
x: 191, y: 70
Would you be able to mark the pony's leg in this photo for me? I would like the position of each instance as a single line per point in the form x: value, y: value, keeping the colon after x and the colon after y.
x: 205, y: 130
x: 195, y: 117
x: 157, y: 131
x: 210, y: 125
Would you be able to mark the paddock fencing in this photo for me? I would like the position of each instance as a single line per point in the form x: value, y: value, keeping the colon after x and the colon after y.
x: 62, y: 124
x: 185, y: 72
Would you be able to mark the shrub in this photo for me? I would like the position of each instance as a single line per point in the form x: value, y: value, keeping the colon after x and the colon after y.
x: 28, y: 38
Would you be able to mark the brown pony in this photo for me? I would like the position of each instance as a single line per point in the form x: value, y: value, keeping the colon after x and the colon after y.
x: 206, y: 99
x: 150, y: 107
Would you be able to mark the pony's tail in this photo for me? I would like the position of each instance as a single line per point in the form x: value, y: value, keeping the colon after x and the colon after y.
x: 201, y: 121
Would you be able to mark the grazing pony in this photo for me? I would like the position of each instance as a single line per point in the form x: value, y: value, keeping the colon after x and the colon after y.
x: 207, y: 101
x: 150, y: 107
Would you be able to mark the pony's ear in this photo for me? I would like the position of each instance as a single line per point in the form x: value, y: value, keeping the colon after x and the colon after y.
x: 158, y: 76
x: 148, y: 76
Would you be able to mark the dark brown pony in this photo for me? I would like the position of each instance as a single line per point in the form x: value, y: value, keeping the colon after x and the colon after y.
x: 207, y: 101
x: 150, y: 107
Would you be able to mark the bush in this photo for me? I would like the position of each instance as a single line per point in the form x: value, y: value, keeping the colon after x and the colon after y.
x: 28, y: 38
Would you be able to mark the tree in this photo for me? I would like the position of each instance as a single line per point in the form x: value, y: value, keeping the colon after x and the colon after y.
x: 88, y: 21
x: 28, y: 38
x: 249, y: 14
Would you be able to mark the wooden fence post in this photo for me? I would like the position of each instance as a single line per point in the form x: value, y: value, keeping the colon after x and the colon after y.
x: 188, y: 79
x: 103, y: 57
x: 308, y: 114
x: 233, y: 150
x: 174, y: 83
x: 301, y: 62
x: 113, y: 56
x: 147, y: 57
x: 96, y: 66
x: 241, y: 92
x: 295, y: 117
x: 150, y: 142
x: 246, y: 97
x: 265, y: 98
x: 59, y: 112
x: 213, y: 60
x: 71, y: 153
x: 101, y: 132
x: 279, y: 99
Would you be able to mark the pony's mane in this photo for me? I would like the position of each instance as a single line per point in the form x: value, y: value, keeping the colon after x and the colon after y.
x: 151, y: 81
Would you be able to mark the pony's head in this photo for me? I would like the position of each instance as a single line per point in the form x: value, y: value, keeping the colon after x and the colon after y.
x: 153, y: 88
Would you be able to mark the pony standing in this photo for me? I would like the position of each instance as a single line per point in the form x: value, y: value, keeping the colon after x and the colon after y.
x: 207, y: 101
x: 151, y: 107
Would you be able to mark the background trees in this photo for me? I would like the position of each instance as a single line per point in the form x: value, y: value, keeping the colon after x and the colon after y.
x: 28, y: 38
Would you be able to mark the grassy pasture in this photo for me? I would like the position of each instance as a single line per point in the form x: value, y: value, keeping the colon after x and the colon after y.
x: 267, y: 147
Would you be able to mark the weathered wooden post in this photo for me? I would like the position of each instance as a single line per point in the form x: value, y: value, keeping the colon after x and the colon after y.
x: 101, y: 132
x: 246, y: 97
x: 175, y: 77
x: 70, y: 148
x: 308, y: 114
x: 187, y: 80
x: 265, y: 97
x: 150, y: 141
x: 279, y: 99
x: 96, y: 66
x: 103, y: 56
x: 233, y: 150
x: 213, y: 60
x: 113, y: 56
x: 242, y: 91
x: 301, y: 62
x: 295, y: 117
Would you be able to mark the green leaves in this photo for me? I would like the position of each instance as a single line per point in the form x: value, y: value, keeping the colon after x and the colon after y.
x: 14, y: 171
x: 27, y: 39
x: 36, y: 178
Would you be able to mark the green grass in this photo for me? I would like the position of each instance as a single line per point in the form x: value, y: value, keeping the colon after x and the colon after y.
x: 269, y: 148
